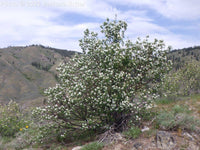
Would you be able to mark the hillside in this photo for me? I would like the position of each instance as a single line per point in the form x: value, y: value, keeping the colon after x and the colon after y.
x: 26, y: 71
x: 181, y: 56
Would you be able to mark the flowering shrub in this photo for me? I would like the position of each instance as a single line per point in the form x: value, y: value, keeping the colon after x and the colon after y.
x: 11, y: 119
x: 106, y: 85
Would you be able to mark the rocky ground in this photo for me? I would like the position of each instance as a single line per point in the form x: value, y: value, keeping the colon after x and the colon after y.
x: 154, y: 139
x: 151, y: 137
x: 162, y: 140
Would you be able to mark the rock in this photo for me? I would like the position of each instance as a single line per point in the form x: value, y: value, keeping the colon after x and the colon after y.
x: 137, y: 146
x: 188, y: 136
x: 193, y: 146
x: 165, y: 140
x: 118, y: 147
x: 145, y: 129
x: 195, y: 135
x: 77, y: 148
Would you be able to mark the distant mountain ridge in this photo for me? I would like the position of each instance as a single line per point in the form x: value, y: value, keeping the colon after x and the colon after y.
x: 26, y: 71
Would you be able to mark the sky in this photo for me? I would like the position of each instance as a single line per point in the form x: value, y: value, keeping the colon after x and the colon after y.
x: 61, y: 23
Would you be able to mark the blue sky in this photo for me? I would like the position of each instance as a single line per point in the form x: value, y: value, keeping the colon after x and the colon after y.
x: 60, y: 23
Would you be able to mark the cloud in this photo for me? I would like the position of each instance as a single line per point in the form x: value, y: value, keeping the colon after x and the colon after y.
x: 93, y: 8
x: 36, y: 22
x: 65, y: 37
x: 180, y: 9
x: 31, y: 21
x: 178, y: 41
x: 173, y: 9
x: 142, y: 29
x: 34, y: 26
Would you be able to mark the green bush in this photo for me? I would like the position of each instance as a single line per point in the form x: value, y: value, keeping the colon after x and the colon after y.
x: 110, y: 82
x: 11, y: 119
x: 133, y: 132
x: 185, y: 81
x: 178, y: 118
x: 93, y: 146
x: 25, y: 139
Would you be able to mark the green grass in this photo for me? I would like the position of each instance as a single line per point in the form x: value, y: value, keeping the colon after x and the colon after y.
x: 6, y: 139
x: 150, y: 133
x: 4, y: 142
x: 93, y: 146
x: 195, y: 98
x: 133, y: 132
x: 165, y: 101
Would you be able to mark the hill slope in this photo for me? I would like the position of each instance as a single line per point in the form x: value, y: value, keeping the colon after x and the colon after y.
x: 181, y: 56
x: 26, y: 71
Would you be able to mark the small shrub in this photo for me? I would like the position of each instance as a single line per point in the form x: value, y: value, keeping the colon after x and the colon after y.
x: 147, y: 115
x: 133, y: 132
x: 93, y: 146
x: 11, y: 119
x: 180, y: 109
x: 178, y: 118
x: 40, y: 66
x: 184, y: 81
x: 25, y: 138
